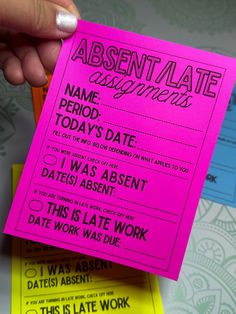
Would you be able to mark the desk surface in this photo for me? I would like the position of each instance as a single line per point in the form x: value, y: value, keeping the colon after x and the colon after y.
x: 207, y: 283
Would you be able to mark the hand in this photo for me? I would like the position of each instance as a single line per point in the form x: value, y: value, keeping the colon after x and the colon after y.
x: 30, y: 37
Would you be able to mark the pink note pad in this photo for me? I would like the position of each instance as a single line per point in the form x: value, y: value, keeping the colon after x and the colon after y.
x: 122, y: 148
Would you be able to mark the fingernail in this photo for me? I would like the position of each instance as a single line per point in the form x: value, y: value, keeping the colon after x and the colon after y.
x: 66, y: 22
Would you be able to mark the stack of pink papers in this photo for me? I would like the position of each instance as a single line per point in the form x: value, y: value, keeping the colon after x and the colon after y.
x: 122, y: 148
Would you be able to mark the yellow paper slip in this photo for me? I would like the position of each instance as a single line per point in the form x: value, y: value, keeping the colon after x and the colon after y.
x: 47, y: 280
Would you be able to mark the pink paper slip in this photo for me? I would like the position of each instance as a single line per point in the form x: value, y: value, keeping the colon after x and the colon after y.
x: 122, y: 148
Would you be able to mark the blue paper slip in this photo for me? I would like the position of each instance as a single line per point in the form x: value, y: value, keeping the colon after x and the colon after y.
x: 220, y: 184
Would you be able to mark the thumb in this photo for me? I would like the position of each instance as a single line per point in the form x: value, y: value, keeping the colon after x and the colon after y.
x: 38, y: 18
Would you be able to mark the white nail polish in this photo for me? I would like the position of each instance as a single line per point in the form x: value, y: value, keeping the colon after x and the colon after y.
x: 66, y: 22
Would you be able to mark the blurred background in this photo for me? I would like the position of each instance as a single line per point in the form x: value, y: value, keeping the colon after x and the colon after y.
x: 207, y: 283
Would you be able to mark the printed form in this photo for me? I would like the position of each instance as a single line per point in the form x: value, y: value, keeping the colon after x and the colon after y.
x: 122, y: 148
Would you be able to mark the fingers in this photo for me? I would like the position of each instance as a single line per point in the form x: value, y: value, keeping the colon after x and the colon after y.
x: 30, y: 56
x: 34, y: 56
x: 38, y: 18
x: 31, y: 65
x: 11, y: 66
x: 48, y: 51
x: 26, y: 58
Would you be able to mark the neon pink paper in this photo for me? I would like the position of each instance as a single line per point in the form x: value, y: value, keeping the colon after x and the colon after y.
x: 122, y: 148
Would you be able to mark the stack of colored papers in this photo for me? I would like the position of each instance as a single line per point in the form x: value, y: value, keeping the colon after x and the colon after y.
x: 122, y: 150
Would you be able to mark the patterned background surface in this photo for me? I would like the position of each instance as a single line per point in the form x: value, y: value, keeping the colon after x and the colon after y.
x: 207, y: 283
